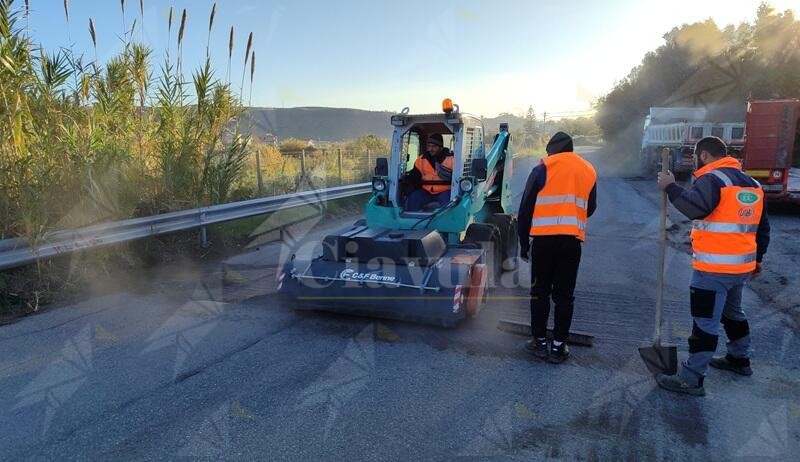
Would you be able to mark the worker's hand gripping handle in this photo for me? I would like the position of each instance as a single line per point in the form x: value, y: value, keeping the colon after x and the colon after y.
x: 662, y: 238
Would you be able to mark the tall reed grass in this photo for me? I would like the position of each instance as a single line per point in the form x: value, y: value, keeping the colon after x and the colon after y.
x: 84, y: 141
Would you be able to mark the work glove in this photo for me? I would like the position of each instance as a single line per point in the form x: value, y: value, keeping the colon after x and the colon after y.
x: 444, y: 172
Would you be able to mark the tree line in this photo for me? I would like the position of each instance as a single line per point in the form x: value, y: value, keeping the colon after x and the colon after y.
x: 702, y: 64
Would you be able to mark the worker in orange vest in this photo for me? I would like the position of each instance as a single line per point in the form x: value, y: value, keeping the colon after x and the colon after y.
x: 560, y: 196
x: 730, y: 235
x: 431, y: 176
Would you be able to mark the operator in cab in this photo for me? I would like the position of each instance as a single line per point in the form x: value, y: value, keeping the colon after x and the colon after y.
x: 431, y: 177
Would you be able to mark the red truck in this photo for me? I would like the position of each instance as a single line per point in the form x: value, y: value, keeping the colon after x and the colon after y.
x: 772, y: 147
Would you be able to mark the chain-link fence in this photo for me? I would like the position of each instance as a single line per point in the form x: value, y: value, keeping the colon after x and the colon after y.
x: 271, y: 172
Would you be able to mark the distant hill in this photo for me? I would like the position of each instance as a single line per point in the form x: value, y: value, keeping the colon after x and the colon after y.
x: 317, y: 123
x: 336, y: 124
x: 492, y: 124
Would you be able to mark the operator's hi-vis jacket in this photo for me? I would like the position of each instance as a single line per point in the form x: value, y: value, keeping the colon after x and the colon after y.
x: 432, y: 174
x: 730, y: 230
x: 560, y: 196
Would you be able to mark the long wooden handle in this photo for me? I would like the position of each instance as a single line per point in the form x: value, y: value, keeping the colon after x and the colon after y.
x: 662, y: 251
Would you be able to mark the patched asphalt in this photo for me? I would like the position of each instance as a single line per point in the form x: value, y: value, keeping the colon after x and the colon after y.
x: 210, y: 366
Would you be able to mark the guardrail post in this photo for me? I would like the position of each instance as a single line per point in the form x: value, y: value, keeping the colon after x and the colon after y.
x: 203, y: 237
x: 303, y: 163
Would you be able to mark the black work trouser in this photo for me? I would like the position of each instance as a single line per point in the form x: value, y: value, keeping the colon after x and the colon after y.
x: 554, y: 271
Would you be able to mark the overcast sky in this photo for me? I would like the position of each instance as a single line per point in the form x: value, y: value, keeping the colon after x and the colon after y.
x: 488, y: 56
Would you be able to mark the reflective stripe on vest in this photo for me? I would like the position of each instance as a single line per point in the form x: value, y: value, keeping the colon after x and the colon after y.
x: 715, y: 227
x: 725, y: 240
x: 561, y: 207
x: 561, y: 199
x: 556, y: 221
x: 721, y: 259
x: 722, y: 177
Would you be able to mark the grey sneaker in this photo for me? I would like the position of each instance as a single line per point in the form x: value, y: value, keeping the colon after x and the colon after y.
x: 676, y: 384
x: 739, y: 366
x: 537, y: 348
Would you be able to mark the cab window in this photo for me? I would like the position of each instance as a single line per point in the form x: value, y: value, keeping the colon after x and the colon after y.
x: 449, y: 141
x: 410, y: 149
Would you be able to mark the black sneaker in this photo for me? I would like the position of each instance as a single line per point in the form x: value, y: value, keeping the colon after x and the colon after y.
x: 739, y: 366
x: 537, y: 348
x: 559, y: 354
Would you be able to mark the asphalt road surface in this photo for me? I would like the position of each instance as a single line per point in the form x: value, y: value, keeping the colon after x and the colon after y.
x: 206, y: 364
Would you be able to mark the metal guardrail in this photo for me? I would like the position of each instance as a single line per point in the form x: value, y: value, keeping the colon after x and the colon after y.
x: 18, y: 252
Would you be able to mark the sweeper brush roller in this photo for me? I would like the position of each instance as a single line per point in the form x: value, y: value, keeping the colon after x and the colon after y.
x: 378, y: 272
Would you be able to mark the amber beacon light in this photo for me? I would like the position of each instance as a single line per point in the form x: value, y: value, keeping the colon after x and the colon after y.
x: 447, y: 105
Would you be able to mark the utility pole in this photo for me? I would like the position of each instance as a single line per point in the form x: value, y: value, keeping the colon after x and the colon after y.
x: 544, y: 126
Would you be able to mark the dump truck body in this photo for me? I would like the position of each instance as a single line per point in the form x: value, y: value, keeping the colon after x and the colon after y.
x: 679, y: 129
x: 772, y: 147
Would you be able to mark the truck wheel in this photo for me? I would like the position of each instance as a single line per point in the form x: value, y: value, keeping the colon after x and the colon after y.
x: 507, y: 224
x: 487, y: 236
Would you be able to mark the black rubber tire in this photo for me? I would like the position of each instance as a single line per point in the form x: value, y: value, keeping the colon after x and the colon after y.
x: 507, y: 224
x: 487, y: 236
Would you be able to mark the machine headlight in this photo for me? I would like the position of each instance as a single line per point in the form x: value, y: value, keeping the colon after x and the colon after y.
x: 465, y: 185
x: 378, y: 185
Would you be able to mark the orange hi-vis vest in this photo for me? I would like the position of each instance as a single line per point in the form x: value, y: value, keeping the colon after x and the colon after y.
x: 725, y: 240
x: 431, y: 181
x: 561, y: 206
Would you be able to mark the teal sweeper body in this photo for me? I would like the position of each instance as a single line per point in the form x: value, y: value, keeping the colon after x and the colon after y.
x: 431, y: 266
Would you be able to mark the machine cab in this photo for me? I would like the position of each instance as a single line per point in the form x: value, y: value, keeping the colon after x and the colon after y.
x: 462, y: 136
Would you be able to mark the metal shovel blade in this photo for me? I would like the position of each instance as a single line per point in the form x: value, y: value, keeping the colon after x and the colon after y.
x: 660, y: 359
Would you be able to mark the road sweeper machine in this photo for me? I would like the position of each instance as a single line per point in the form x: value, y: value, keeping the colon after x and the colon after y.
x: 432, y: 265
